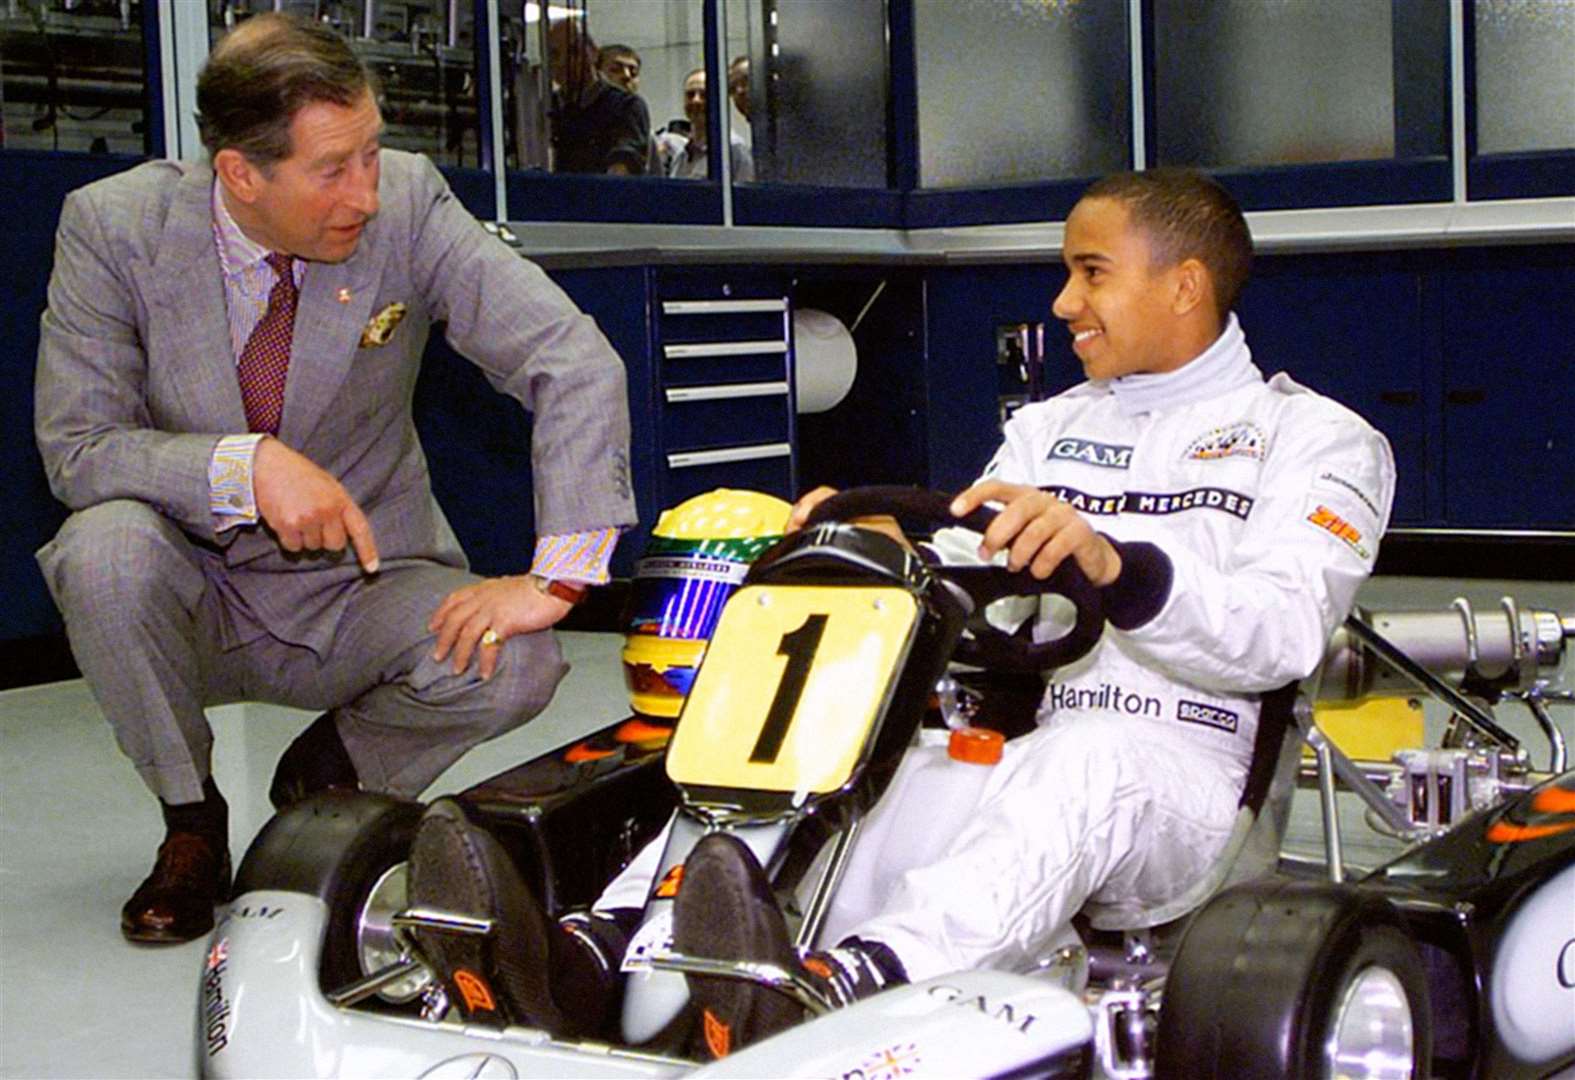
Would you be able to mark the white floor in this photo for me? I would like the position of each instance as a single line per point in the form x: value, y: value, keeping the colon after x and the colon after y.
x: 77, y: 833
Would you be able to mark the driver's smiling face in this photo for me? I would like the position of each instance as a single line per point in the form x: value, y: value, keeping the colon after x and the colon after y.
x: 1116, y: 303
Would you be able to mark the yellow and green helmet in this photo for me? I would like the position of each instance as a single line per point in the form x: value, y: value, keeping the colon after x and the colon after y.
x: 696, y: 558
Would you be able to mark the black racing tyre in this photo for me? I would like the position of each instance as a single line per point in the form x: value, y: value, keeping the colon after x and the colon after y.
x: 1306, y: 980
x: 349, y: 851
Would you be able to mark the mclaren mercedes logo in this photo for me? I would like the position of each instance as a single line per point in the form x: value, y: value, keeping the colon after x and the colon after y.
x: 473, y: 1067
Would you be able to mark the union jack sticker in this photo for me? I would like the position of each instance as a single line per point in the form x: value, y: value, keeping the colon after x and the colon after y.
x: 894, y: 1061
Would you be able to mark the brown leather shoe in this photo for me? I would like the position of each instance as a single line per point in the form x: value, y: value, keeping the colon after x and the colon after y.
x: 175, y: 903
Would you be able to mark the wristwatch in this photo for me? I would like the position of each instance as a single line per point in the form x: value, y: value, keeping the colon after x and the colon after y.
x: 563, y: 590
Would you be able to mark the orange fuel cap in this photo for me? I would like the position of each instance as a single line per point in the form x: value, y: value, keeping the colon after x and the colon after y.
x: 980, y: 746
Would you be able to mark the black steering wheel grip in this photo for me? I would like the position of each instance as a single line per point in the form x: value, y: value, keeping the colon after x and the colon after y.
x: 989, y: 646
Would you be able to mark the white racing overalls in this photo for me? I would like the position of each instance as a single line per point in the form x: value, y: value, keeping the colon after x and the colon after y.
x: 1265, y: 502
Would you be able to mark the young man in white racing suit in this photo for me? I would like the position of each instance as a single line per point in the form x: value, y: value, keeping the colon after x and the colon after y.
x: 1228, y: 521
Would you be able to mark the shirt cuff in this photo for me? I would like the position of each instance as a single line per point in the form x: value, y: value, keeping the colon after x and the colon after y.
x: 1141, y: 589
x: 231, y: 496
x: 580, y: 556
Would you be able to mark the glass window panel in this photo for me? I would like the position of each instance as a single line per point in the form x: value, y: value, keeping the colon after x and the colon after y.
x: 742, y: 92
x: 1525, y: 60
x: 818, y: 97
x: 424, y: 54
x: 72, y: 77
x: 599, y: 86
x: 1052, y: 101
x: 1272, y: 82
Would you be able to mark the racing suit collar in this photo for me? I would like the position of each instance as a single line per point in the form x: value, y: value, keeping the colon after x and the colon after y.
x: 1224, y: 366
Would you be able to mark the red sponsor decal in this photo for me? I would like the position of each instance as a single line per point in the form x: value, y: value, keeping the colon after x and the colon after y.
x: 474, y: 989
x: 667, y: 888
x: 718, y: 1035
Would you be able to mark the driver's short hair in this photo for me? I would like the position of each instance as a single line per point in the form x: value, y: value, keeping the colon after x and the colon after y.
x: 1187, y: 215
x: 265, y: 71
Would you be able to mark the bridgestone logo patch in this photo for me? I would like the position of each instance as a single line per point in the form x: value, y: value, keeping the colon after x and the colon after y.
x: 1195, y: 712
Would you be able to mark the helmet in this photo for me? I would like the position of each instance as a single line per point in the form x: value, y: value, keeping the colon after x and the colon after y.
x: 697, y: 556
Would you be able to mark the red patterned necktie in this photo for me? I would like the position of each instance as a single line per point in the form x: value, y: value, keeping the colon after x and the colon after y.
x: 266, y: 357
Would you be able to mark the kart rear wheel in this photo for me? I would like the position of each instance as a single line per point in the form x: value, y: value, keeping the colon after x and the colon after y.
x: 1295, y: 979
x: 349, y: 851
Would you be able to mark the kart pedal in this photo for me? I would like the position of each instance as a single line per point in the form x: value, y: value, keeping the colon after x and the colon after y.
x: 443, y: 922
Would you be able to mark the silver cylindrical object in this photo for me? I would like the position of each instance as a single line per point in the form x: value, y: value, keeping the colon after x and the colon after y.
x: 1508, y: 648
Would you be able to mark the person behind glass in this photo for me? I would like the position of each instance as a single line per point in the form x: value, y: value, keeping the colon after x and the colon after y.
x: 684, y: 157
x: 738, y: 84
x: 224, y: 388
x: 597, y: 125
x: 619, y: 65
x: 1227, y: 521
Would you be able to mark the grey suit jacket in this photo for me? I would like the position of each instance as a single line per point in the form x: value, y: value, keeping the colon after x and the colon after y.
x: 137, y: 382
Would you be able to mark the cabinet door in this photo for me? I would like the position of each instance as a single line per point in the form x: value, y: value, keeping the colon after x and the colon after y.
x: 1351, y: 328
x: 1509, y: 388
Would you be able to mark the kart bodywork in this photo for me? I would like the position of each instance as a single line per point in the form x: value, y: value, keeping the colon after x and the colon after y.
x: 1460, y: 953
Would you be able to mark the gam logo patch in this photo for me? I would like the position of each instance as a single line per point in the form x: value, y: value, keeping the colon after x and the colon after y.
x: 1103, y: 455
x: 1241, y: 439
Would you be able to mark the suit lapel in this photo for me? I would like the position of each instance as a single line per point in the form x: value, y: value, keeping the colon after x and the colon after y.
x: 335, y: 302
x: 185, y: 290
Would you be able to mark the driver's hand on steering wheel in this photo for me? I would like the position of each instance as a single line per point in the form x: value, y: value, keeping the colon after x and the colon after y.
x: 881, y: 523
x: 1037, y: 531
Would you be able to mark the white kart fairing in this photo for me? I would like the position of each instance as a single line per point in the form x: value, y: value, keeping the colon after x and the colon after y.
x: 969, y: 1023
x: 260, y: 1012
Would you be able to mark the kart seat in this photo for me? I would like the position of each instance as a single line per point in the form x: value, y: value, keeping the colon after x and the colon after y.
x: 1253, y: 848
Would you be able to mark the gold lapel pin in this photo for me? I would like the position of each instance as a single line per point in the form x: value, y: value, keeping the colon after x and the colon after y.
x: 344, y: 296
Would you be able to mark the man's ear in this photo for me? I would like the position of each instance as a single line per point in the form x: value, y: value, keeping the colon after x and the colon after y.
x: 238, y: 175
x: 1193, y: 286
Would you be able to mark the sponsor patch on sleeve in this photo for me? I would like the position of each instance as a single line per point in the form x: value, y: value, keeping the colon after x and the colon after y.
x: 1342, y: 484
x: 1321, y: 516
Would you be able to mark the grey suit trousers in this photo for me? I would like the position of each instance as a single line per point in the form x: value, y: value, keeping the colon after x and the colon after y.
x: 148, y: 614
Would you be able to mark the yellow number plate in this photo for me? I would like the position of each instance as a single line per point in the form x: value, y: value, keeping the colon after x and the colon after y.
x: 793, y: 679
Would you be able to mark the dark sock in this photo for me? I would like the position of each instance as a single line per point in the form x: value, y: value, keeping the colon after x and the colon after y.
x: 315, y: 761
x: 210, y: 818
x: 884, y: 960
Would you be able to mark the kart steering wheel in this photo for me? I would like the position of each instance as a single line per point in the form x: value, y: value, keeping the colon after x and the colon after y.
x: 989, y: 646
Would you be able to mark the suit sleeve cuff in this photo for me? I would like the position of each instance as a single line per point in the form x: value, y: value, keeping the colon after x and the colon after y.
x: 231, y: 495
x: 583, y: 556
x: 1140, y: 591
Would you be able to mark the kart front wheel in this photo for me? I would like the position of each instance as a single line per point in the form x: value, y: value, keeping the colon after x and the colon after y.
x: 349, y: 851
x: 1295, y: 979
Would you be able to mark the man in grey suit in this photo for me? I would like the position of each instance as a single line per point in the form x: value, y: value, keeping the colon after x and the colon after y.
x: 224, y: 395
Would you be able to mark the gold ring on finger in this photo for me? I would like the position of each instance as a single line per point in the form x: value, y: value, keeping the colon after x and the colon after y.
x: 490, y: 637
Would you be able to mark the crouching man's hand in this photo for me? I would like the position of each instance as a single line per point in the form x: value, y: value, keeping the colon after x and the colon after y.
x: 306, y: 507
x: 474, y: 620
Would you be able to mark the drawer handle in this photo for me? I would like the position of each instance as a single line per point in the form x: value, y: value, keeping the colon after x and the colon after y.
x: 691, y: 458
x: 724, y: 348
x: 721, y: 307
x: 1398, y: 397
x: 677, y: 394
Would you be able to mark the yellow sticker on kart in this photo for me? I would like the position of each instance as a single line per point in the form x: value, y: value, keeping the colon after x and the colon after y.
x: 792, y: 682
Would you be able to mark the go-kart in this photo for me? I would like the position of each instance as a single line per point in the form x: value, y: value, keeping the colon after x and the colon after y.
x: 1455, y: 959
